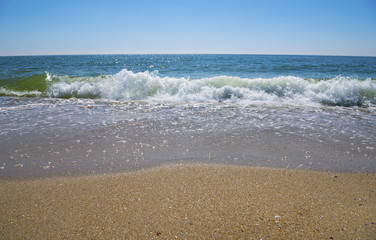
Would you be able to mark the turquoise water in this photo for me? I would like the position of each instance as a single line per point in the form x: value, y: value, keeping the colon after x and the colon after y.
x: 306, y: 80
x: 99, y: 113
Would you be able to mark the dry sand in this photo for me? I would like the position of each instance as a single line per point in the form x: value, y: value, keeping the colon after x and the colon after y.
x: 192, y: 202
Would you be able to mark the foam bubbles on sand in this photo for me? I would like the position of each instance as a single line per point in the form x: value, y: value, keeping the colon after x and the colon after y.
x: 112, y: 135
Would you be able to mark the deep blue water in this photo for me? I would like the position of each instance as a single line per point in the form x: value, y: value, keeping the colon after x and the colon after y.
x: 192, y: 66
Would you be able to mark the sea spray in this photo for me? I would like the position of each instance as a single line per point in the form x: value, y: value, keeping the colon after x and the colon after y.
x: 129, y: 85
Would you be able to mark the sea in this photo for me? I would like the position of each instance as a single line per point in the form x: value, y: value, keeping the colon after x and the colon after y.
x: 82, y: 114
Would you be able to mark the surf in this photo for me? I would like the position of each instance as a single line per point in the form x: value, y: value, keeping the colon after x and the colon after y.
x: 150, y: 86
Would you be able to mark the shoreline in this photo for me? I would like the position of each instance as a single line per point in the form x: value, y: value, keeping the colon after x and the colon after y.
x: 133, y: 145
x: 191, y: 201
x: 44, y: 138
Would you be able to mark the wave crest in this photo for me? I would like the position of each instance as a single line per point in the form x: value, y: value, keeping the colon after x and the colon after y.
x: 128, y: 85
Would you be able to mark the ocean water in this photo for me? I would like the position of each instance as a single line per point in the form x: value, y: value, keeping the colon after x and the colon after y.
x: 256, y: 109
x: 304, y: 80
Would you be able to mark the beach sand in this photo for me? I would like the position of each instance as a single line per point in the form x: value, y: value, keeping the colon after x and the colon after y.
x: 192, y: 202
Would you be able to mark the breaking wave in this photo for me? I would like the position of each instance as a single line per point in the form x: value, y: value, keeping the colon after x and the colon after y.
x: 128, y: 85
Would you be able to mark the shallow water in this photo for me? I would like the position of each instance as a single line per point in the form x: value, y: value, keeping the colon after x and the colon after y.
x: 55, y: 136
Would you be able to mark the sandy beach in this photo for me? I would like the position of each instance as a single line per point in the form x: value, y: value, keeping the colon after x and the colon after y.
x: 192, y: 202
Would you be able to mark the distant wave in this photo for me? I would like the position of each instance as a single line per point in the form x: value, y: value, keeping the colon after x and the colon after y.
x: 128, y: 85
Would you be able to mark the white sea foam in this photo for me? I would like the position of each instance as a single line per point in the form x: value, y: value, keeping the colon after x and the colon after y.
x: 127, y: 85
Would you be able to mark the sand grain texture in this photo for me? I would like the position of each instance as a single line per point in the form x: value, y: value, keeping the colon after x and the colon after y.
x: 192, y: 202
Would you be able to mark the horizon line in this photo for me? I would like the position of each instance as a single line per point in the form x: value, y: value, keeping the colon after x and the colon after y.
x: 270, y: 54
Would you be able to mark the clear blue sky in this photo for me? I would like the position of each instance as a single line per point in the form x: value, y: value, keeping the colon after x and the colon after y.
x: 325, y: 27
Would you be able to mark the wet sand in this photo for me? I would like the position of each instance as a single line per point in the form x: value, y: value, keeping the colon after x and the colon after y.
x: 194, y: 201
x: 80, y: 137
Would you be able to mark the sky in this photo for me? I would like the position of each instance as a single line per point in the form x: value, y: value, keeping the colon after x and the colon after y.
x: 304, y: 27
